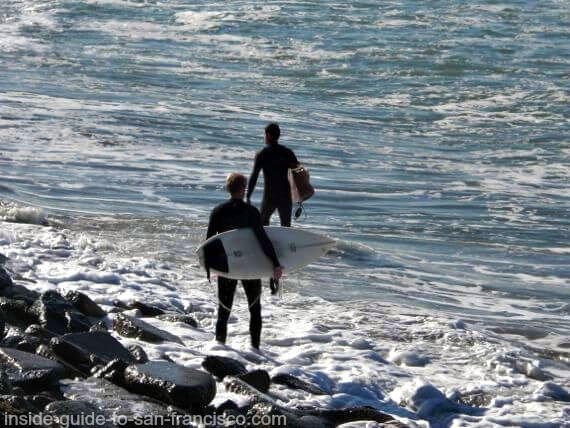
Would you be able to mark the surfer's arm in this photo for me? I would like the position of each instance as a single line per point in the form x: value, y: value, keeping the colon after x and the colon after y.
x: 263, y: 239
x: 253, y: 177
x: 212, y: 226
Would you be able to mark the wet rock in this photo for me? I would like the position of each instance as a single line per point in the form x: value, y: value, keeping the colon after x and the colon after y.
x: 17, y: 405
x: 296, y: 383
x: 16, y: 312
x: 84, y: 304
x: 476, y: 398
x: 113, y: 399
x: 5, y: 279
x: 99, y: 326
x: 259, y: 379
x: 19, y: 292
x: 139, y: 353
x: 114, y: 371
x: 554, y: 391
x: 431, y: 404
x: 2, y: 325
x: 79, y: 411
x: 77, y: 322
x: 145, y: 309
x: 238, y: 386
x: 185, y: 319
x: 57, y: 315
x: 223, y: 366
x: 172, y: 383
x: 30, y: 371
x: 262, y: 414
x: 84, y: 350
x: 135, y: 328
x: 353, y: 414
x: 40, y: 332
x: 5, y: 385
x: 164, y: 356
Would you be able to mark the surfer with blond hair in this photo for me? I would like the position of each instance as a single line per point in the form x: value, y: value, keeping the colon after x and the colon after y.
x: 236, y: 214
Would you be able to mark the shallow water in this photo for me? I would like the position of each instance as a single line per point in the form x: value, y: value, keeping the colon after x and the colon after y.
x: 436, y: 135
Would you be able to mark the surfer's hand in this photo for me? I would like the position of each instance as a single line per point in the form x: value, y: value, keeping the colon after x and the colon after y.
x: 277, y: 273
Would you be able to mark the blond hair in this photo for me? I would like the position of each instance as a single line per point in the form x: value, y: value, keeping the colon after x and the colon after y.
x: 235, y: 182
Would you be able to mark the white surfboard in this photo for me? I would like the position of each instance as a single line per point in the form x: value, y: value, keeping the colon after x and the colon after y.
x: 237, y: 253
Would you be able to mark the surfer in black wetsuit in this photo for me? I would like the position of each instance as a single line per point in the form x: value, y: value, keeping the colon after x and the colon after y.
x: 235, y: 214
x: 274, y: 160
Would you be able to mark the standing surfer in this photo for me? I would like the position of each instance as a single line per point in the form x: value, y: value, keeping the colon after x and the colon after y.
x: 274, y: 160
x: 235, y: 214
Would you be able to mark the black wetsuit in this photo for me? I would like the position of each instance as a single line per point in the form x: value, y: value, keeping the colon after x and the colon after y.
x: 235, y: 214
x: 275, y: 161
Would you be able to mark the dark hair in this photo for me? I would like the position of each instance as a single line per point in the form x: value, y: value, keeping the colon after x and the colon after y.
x: 273, y: 130
x: 235, y: 182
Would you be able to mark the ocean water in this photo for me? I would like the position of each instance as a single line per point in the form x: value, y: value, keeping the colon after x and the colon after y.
x: 437, y: 135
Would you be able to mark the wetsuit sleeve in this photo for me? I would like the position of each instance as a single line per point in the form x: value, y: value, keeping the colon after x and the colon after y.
x: 254, y: 175
x: 212, y: 225
x: 262, y: 237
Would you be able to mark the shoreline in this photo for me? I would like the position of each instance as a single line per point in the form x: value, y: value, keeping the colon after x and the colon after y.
x: 318, y: 349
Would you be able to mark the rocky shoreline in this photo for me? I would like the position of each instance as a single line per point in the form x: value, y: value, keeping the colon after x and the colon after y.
x: 58, y: 358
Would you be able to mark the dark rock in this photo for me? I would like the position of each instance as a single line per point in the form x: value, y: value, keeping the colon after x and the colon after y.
x: 113, y: 399
x: 19, y: 292
x: 2, y: 325
x: 296, y: 383
x: 145, y: 309
x: 5, y: 279
x: 114, y: 371
x: 172, y: 383
x: 139, y: 353
x: 99, y: 326
x: 186, y: 319
x: 57, y: 315
x: 40, y: 332
x: 226, y: 406
x: 238, y: 386
x: 554, y: 391
x: 84, y: 350
x: 16, y: 405
x: 259, y: 379
x: 268, y: 412
x: 77, y: 322
x: 474, y: 398
x: 3, y: 259
x: 79, y: 411
x: 16, y: 312
x: 84, y: 304
x: 46, y: 352
x: 5, y: 385
x: 25, y: 361
x: 223, y: 366
x: 22, y: 342
x: 135, y: 328
x: 353, y: 414
x: 164, y: 356
x: 30, y: 371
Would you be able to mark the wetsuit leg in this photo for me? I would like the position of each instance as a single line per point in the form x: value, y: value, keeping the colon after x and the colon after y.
x: 252, y: 289
x: 267, y: 209
x: 284, y: 209
x: 226, y: 291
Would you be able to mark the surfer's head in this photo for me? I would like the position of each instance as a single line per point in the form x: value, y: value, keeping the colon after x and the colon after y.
x: 272, y: 133
x: 236, y: 184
